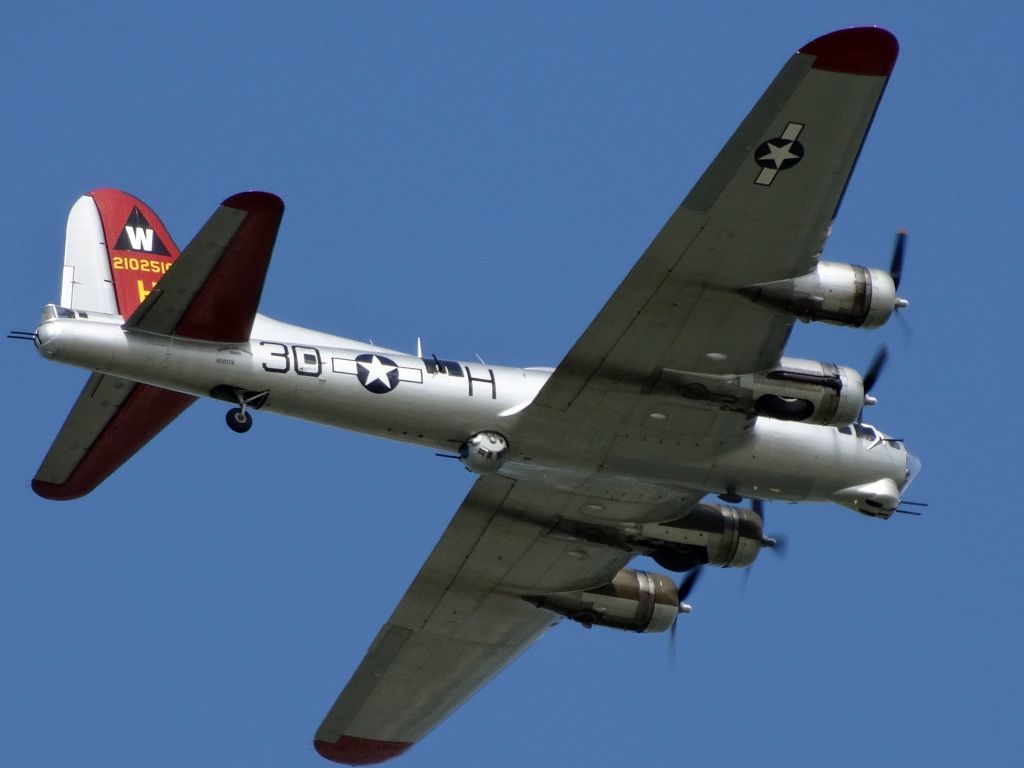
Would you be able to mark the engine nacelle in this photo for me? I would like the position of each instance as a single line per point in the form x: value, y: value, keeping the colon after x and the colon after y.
x: 841, y: 294
x: 795, y: 390
x: 484, y: 452
x: 712, y: 534
x: 634, y: 600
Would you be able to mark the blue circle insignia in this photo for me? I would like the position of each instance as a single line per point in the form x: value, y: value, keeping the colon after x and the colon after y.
x: 377, y: 373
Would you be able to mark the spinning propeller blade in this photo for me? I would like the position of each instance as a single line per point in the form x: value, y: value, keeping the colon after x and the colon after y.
x: 896, y: 266
x: 875, y: 369
x: 777, y: 543
x: 685, y: 587
x: 687, y: 583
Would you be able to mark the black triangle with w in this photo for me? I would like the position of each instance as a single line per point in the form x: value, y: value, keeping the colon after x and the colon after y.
x: 137, y: 235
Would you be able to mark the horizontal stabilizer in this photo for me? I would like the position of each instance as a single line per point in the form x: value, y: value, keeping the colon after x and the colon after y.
x: 111, y: 420
x: 213, y: 290
x: 210, y: 292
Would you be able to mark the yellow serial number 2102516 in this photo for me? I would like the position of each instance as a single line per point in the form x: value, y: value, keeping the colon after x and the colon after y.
x: 141, y: 265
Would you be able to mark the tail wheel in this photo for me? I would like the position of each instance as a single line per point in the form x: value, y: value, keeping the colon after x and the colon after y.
x: 239, y: 420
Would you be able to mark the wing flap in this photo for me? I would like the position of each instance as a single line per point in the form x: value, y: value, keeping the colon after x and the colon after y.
x: 111, y: 420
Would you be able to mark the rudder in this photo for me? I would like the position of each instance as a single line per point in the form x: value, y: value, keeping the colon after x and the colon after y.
x: 115, y: 252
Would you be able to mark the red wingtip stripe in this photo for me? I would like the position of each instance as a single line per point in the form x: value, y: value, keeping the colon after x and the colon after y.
x: 856, y: 51
x: 54, y: 492
x: 352, y: 750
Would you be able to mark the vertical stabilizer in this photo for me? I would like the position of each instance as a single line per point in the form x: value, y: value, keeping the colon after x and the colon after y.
x: 115, y: 252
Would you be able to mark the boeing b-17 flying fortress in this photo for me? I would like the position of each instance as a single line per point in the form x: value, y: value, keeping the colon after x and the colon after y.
x: 673, y: 407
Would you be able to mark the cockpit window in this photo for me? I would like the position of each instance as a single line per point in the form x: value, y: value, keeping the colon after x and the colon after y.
x: 866, y: 431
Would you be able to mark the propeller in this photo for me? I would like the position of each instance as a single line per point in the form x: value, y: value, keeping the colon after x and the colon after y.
x: 875, y: 369
x: 777, y: 543
x: 896, y: 266
x: 896, y: 273
x: 684, y: 589
x: 871, y: 377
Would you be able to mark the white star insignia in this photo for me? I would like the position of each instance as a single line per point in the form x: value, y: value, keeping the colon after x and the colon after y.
x: 377, y: 371
x: 778, y: 154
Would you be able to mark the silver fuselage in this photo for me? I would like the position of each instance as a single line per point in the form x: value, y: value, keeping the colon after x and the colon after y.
x: 438, y: 404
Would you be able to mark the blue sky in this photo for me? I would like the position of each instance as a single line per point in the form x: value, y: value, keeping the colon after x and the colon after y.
x: 483, y: 177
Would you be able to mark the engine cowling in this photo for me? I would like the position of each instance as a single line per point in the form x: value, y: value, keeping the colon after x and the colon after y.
x: 709, y: 534
x: 840, y: 294
x: 795, y: 390
x: 637, y: 601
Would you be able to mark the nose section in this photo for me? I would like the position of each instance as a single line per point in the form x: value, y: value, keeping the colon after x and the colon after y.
x: 913, y: 467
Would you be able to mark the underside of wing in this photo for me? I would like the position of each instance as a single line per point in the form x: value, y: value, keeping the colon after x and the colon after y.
x: 111, y: 420
x: 463, y: 619
x: 213, y: 290
x: 760, y: 213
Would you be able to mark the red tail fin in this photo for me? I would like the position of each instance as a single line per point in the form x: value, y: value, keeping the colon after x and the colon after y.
x: 138, y: 246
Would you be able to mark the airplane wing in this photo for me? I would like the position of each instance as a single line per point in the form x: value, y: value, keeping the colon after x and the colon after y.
x: 463, y: 619
x: 760, y: 212
x: 211, y: 292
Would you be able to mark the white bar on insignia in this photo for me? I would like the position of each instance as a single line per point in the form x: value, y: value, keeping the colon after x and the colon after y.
x: 765, y: 177
x: 341, y: 365
x: 792, y: 131
x: 413, y: 375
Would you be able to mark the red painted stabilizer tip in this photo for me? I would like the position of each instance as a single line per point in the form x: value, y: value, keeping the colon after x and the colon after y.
x: 254, y: 201
x: 352, y: 750
x: 55, y: 492
x: 856, y: 51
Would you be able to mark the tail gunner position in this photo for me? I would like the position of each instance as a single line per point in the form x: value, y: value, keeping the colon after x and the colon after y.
x: 675, y: 398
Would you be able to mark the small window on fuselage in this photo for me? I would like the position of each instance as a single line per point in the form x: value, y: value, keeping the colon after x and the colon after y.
x: 447, y: 367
